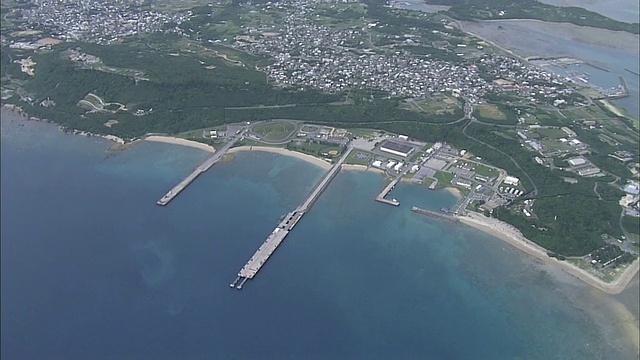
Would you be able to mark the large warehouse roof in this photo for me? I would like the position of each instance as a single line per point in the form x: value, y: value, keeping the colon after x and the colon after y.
x: 394, y: 147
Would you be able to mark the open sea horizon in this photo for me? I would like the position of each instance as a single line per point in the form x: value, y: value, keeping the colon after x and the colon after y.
x: 92, y: 268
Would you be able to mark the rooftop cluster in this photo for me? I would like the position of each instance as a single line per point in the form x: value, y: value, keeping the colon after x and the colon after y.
x: 311, y: 55
x: 101, y: 22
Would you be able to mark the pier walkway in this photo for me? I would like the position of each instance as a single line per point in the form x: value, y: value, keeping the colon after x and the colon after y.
x: 439, y: 215
x: 260, y: 257
x: 381, y: 196
x: 206, y: 165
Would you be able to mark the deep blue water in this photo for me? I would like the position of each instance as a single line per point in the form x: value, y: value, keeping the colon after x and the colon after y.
x: 91, y: 268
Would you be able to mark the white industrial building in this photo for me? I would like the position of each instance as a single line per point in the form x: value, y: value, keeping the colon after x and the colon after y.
x: 511, y: 180
x: 464, y: 183
x: 577, y: 161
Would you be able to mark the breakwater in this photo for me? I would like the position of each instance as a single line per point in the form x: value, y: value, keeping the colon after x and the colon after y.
x: 439, y: 215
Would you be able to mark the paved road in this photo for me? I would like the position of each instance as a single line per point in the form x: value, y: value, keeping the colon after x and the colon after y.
x: 469, y: 114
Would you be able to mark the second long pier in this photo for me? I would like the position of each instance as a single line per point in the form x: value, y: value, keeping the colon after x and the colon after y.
x: 260, y: 257
x: 206, y: 165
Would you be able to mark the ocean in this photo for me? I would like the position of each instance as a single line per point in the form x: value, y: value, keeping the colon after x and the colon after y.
x: 92, y: 268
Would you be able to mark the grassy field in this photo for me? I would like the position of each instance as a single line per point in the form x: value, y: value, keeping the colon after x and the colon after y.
x: 309, y: 128
x: 485, y: 171
x: 551, y: 134
x: 365, y: 133
x: 427, y: 182
x: 437, y: 105
x: 444, y: 179
x: 315, y: 149
x: 489, y: 112
x: 274, y: 131
x: 585, y: 113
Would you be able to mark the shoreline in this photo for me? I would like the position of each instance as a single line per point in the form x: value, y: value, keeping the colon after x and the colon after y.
x: 180, y: 141
x: 117, y: 142
x: 356, y: 167
x: 282, y: 151
x: 613, y: 108
x: 455, y: 192
x: 514, y: 237
x: 491, y: 226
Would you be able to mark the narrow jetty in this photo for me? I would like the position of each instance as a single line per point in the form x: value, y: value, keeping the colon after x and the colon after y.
x: 623, y: 84
x: 206, y: 165
x: 633, y: 72
x: 381, y: 196
x: 269, y: 246
x: 439, y: 215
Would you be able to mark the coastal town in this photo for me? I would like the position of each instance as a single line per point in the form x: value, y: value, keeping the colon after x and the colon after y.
x: 309, y: 54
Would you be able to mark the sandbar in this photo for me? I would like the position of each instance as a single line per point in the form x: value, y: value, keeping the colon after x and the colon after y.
x: 180, y: 141
x: 513, y: 236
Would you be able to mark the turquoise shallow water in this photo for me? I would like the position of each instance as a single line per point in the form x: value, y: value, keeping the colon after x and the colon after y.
x: 92, y: 268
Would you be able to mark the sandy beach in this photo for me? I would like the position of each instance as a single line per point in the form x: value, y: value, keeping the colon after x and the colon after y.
x: 308, y: 158
x: 455, y: 192
x: 179, y: 141
x: 355, y: 167
x: 282, y: 151
x: 612, y: 108
x: 514, y: 237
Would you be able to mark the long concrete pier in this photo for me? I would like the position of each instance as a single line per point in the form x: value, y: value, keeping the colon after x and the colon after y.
x: 381, y: 196
x: 435, y: 214
x: 269, y: 246
x: 206, y: 165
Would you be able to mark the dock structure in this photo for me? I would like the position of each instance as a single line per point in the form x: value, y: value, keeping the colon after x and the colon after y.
x: 439, y: 215
x: 206, y: 165
x: 286, y: 224
x: 381, y: 196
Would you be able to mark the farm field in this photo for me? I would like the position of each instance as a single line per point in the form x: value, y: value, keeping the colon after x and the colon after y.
x: 489, y: 112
